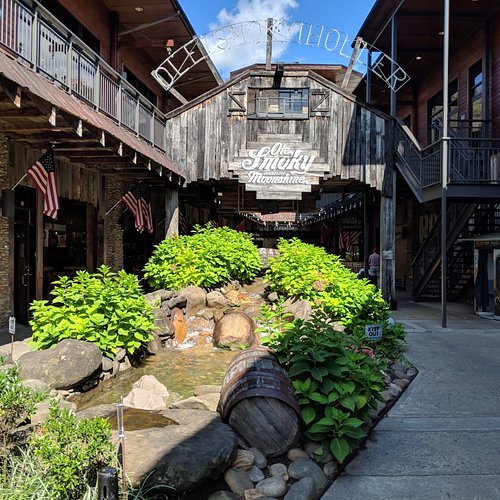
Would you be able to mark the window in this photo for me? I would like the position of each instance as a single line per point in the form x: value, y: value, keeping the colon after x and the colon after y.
x: 476, y: 91
x: 435, y: 111
x: 138, y: 85
x: 72, y: 23
x: 278, y: 103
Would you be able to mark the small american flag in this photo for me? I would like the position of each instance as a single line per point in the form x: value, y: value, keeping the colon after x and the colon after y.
x: 44, y: 177
x: 349, y: 238
x: 146, y: 210
x: 132, y: 201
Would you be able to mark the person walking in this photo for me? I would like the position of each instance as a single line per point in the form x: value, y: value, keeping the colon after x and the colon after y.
x: 374, y: 266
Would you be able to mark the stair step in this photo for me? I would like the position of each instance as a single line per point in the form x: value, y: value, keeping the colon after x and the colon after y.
x: 279, y: 137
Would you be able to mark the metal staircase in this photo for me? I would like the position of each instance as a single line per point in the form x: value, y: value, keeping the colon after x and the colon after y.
x: 464, y: 221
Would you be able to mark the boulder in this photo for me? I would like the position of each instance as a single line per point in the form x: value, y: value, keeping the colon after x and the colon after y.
x: 107, y: 364
x: 151, y: 384
x: 192, y: 403
x: 37, y: 385
x: 237, y: 298
x: 216, y: 299
x: 301, y: 309
x: 178, y: 323
x: 182, y: 456
x: 154, y: 345
x: 69, y: 364
x: 196, y: 298
x: 19, y: 348
x: 162, y: 325
x: 234, y: 330
x: 178, y: 300
x: 144, y: 400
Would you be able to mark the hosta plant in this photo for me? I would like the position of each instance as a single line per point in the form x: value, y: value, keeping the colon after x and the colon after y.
x: 105, y: 308
x: 336, y: 378
x: 209, y: 257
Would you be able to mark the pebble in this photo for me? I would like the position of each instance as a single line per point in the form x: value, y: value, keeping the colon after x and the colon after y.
x: 386, y: 396
x: 411, y: 372
x: 237, y: 480
x: 272, y: 297
x: 272, y: 486
x: 260, y: 460
x: 255, y: 474
x: 304, y: 468
x: 310, y: 447
x: 327, y: 458
x: 401, y: 382
x: 395, y: 390
x: 244, y: 460
x: 297, y: 454
x: 224, y: 495
x: 107, y: 364
x: 387, y: 379
x: 120, y: 354
x: 279, y: 470
x: 252, y: 494
x: 400, y: 374
x: 302, y: 490
x: 330, y: 468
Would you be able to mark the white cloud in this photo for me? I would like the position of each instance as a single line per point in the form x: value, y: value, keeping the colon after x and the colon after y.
x: 234, y: 56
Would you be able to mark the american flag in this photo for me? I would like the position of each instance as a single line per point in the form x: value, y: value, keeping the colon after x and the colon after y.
x: 132, y: 201
x: 44, y: 177
x: 348, y: 238
x: 146, y: 210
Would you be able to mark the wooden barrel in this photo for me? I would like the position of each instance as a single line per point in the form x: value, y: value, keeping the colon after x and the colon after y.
x: 258, y: 402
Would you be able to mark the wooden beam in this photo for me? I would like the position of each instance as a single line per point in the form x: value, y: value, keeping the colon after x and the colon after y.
x: 6, y: 114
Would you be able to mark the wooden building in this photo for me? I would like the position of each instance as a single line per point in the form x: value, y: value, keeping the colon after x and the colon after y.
x: 412, y: 31
x: 76, y: 76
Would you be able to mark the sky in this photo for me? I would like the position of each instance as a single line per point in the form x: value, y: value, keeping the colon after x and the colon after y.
x: 345, y: 16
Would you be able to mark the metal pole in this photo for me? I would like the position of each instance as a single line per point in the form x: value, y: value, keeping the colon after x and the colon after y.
x: 121, y: 437
x: 444, y: 163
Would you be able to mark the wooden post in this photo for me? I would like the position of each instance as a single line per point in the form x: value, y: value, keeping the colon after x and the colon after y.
x: 269, y: 44
x: 39, y: 247
x: 89, y: 231
x: 171, y: 212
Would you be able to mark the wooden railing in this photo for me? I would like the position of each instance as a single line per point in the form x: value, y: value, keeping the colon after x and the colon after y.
x: 29, y: 31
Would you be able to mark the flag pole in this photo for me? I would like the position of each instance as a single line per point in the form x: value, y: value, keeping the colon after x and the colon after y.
x: 113, y: 207
x: 19, y: 181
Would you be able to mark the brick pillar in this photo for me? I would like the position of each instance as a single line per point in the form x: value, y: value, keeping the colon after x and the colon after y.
x: 6, y: 236
x: 113, y: 231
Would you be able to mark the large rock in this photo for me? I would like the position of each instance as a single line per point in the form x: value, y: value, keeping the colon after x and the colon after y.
x: 217, y: 300
x: 301, y: 309
x: 182, y: 456
x: 67, y: 365
x: 162, y: 323
x: 144, y: 400
x: 234, y: 330
x: 178, y: 323
x: 196, y: 298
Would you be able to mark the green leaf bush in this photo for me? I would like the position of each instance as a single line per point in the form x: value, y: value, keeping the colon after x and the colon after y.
x: 309, y: 272
x: 69, y: 452
x: 209, y: 257
x: 105, y: 308
x: 335, y: 376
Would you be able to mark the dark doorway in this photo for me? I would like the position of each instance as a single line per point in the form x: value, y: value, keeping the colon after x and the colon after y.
x: 24, y: 252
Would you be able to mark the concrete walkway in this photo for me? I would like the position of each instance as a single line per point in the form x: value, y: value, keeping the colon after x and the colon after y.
x: 441, y: 440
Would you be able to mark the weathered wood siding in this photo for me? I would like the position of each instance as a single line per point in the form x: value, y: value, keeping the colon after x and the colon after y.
x: 203, y: 138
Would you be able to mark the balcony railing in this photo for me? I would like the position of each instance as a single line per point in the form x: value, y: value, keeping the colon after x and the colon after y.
x: 471, y: 160
x: 40, y: 40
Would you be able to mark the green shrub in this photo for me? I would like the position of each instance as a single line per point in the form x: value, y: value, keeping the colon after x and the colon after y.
x: 104, y: 308
x: 69, y: 452
x: 17, y: 404
x: 336, y: 378
x: 309, y: 272
x: 209, y: 257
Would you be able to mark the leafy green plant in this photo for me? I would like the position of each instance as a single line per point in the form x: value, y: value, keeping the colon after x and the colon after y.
x: 17, y: 404
x: 309, y: 272
x: 209, y: 257
x: 392, y: 344
x: 336, y: 378
x: 105, y: 308
x: 69, y: 452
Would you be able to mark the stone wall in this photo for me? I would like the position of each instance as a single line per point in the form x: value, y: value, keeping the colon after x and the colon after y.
x: 6, y: 285
x: 113, y: 231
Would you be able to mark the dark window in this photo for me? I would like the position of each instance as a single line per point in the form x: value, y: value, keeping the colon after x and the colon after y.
x: 435, y: 111
x: 72, y: 23
x: 278, y: 103
x: 138, y: 85
x: 476, y: 91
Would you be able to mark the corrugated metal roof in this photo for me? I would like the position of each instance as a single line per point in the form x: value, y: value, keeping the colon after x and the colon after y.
x: 48, y: 91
